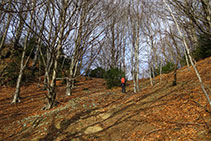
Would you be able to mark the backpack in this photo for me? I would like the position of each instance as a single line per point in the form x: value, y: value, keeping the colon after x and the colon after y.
x: 122, y: 80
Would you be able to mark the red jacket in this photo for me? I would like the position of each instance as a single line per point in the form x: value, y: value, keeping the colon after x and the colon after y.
x: 122, y: 80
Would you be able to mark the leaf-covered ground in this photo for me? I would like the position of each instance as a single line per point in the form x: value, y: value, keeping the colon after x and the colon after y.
x: 159, y: 112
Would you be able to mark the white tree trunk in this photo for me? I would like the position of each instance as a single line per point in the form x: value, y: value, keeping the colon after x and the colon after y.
x: 5, y: 32
x: 161, y: 65
x: 150, y: 76
x: 70, y: 79
x: 137, y: 64
x: 187, y: 60
x: 22, y: 68
x: 68, y: 87
x: 134, y: 82
x: 35, y: 57
x: 16, y: 97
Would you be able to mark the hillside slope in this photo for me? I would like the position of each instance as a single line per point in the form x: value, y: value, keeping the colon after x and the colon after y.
x: 159, y: 112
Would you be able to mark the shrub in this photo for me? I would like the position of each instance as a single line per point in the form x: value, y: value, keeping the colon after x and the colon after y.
x: 12, y: 74
x: 167, y: 68
x: 113, y: 76
x: 97, y: 73
x: 28, y: 77
x: 203, y: 49
x: 31, y: 44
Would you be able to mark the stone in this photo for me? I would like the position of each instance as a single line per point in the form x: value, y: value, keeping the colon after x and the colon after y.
x: 105, y: 115
x: 93, y: 129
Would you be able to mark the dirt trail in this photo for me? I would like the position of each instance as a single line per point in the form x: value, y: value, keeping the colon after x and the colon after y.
x: 161, y: 112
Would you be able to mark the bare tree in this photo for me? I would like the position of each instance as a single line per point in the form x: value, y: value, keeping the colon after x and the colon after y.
x: 197, y: 11
x: 188, y: 52
x: 61, y: 28
x: 115, y: 36
x: 84, y: 38
x: 136, y: 14
x: 23, y: 64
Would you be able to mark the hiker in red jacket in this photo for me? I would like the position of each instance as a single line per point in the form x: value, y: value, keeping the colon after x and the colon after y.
x: 123, y: 84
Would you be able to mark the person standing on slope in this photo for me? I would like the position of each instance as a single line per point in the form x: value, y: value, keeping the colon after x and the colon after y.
x: 123, y: 84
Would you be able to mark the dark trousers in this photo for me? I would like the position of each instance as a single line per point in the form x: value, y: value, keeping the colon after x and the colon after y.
x: 123, y: 87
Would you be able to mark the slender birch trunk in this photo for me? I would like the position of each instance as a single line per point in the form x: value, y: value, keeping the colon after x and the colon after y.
x: 75, y: 73
x: 72, y: 73
x: 47, y: 77
x: 34, y: 62
x: 75, y: 58
x: 152, y: 61
x: 23, y: 65
x: 51, y: 88
x: 137, y: 63
x: 150, y: 76
x: 16, y: 97
x: 161, y: 65
x: 70, y: 78
x: 5, y: 32
x: 48, y: 66
x: 175, y: 74
x: 124, y: 64
x: 187, y: 60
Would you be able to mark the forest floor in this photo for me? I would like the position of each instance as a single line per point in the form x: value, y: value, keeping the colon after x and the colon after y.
x: 159, y: 112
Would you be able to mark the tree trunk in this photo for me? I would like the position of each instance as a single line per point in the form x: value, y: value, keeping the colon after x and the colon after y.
x: 48, y: 66
x: 5, y: 32
x: 161, y: 65
x: 22, y: 68
x: 137, y: 73
x: 75, y: 56
x: 34, y: 62
x: 39, y: 61
x: 69, y: 80
x: 150, y: 76
x: 137, y: 89
x: 72, y: 74
x: 175, y: 77
x: 47, y: 77
x: 113, y: 50
x: 68, y: 87
x: 187, y: 60
x: 19, y: 31
x: 134, y: 81
x: 124, y: 64
x: 16, y: 97
x: 23, y: 65
x: 175, y: 74
x: 51, y: 88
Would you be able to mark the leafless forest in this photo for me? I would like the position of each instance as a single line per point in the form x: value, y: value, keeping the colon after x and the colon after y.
x: 62, y: 40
